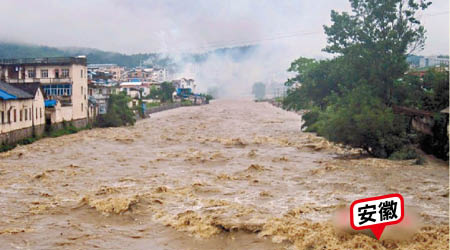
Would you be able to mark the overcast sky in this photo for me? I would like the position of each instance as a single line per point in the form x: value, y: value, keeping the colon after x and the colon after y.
x: 133, y: 26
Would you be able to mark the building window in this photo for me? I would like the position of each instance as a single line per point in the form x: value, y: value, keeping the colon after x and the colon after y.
x: 65, y: 73
x: 36, y: 114
x: 9, y: 116
x: 15, y: 116
x: 40, y: 111
x: 21, y: 115
x: 81, y: 73
x: 81, y: 107
x: 44, y: 73
x: 58, y: 90
x: 26, y: 114
x: 31, y: 73
x: 3, y: 117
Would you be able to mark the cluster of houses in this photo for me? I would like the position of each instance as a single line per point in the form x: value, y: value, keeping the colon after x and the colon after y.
x: 39, y: 92
x: 106, y: 79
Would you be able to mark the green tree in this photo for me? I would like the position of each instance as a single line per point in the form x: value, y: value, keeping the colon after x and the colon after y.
x: 163, y: 93
x: 167, y: 90
x: 319, y: 80
x: 259, y: 90
x: 351, y: 94
x: 118, y: 113
x: 301, y: 66
x: 376, y: 38
x: 436, y: 98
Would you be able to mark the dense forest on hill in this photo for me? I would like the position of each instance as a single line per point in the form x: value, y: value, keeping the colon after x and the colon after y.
x: 16, y: 50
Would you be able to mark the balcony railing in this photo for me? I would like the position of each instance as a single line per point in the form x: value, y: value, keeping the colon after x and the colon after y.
x: 66, y: 80
x: 55, y: 80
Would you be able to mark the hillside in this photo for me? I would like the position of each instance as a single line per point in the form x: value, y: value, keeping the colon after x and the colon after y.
x: 15, y: 50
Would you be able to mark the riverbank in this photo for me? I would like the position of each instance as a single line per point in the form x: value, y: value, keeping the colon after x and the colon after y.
x: 67, y: 128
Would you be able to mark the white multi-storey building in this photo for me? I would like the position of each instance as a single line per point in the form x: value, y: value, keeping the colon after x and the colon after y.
x: 430, y: 61
x: 62, y: 79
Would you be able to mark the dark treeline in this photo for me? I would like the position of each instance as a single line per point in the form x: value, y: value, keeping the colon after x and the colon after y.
x: 14, y: 50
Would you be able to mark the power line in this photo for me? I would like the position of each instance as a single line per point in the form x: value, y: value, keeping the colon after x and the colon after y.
x: 231, y: 43
x: 236, y: 42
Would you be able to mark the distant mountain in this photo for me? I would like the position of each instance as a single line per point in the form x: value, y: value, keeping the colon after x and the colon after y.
x: 16, y: 50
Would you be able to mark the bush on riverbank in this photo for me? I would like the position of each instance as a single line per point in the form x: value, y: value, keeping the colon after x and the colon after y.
x: 361, y: 122
x: 153, y: 104
x: 67, y: 129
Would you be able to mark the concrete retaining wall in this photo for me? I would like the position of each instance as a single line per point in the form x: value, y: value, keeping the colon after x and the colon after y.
x: 80, y: 123
x: 20, y: 134
x: 164, y: 107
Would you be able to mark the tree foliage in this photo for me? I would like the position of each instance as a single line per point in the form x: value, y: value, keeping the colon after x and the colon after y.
x: 376, y: 38
x: 118, y: 113
x: 350, y: 96
x: 259, y: 90
x: 15, y: 50
x: 163, y: 93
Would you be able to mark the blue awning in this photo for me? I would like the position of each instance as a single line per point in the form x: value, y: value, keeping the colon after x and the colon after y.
x: 50, y: 103
x: 6, y: 96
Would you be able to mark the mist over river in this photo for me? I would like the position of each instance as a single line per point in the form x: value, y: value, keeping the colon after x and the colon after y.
x: 233, y: 174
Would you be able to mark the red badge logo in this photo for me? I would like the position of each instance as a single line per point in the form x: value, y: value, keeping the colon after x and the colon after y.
x: 375, y: 213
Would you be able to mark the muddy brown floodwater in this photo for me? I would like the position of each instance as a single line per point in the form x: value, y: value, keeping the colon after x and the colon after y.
x: 229, y: 175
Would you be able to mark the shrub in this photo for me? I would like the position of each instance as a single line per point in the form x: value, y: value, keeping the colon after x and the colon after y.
x: 309, y: 119
x: 405, y: 153
x: 6, y: 147
x: 186, y: 102
x: 208, y: 98
x: 295, y: 100
x: 28, y: 140
x: 153, y: 104
x: 437, y: 143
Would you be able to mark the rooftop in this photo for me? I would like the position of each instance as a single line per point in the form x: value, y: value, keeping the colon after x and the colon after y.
x: 101, y: 65
x: 9, y: 92
x: 131, y: 84
x: 30, y: 88
x: 45, y: 61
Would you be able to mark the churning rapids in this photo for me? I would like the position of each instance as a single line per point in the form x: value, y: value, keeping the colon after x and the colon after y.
x: 229, y: 175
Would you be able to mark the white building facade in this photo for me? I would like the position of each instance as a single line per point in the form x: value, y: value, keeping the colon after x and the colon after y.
x: 62, y: 79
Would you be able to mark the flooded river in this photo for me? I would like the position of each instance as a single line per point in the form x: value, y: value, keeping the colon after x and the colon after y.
x: 229, y: 175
